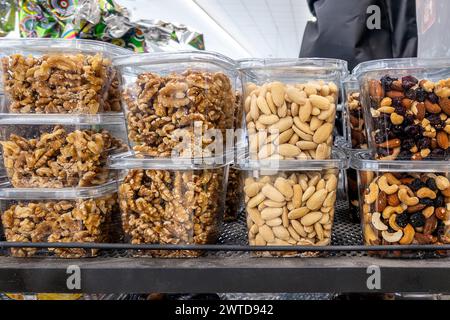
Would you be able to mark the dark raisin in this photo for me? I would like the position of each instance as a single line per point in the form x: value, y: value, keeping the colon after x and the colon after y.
x: 408, y: 82
x: 433, y: 97
x: 437, y: 153
x: 398, y: 131
x: 383, y: 152
x: 431, y: 184
x: 404, y: 155
x: 440, y: 125
x: 411, y: 94
x: 416, y: 184
x: 434, y: 119
x: 421, y: 94
x: 424, y: 143
x: 439, y: 201
x: 396, y: 102
x: 407, y: 144
x: 380, y: 137
x: 417, y: 220
x: 400, y: 110
x: 426, y: 201
x: 408, y: 120
x: 412, y: 130
x: 402, y: 220
x: 386, y: 82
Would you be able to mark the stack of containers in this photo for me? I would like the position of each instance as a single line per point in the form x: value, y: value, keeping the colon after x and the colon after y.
x: 179, y: 115
x: 60, y: 120
x: 290, y: 172
x: 404, y: 179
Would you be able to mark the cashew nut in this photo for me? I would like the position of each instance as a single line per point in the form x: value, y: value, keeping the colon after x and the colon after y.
x: 372, y: 196
x: 408, y: 235
x: 377, y: 223
x: 388, y: 211
x: 392, y: 237
x: 391, y: 179
x: 425, y: 192
x: 406, y: 198
x: 442, y: 182
x: 385, y: 187
x: 393, y: 223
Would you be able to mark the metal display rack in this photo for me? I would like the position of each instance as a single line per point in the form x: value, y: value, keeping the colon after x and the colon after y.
x: 230, y: 266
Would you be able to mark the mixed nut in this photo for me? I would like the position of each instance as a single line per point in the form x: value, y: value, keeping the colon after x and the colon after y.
x: 405, y: 208
x: 290, y: 121
x: 410, y: 118
x: 357, y: 128
x: 172, y: 207
x: 59, y: 157
x: 291, y: 208
x: 163, y: 110
x: 84, y: 220
x: 59, y: 83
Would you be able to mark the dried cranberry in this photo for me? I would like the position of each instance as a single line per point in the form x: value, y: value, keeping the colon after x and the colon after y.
x: 386, y: 82
x: 417, y: 220
x: 408, y: 82
x: 423, y: 143
x: 433, y: 97
x: 421, y: 94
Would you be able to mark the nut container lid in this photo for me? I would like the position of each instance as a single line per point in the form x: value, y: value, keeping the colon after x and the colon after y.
x: 110, y: 118
x: 364, y: 160
x: 296, y: 63
x: 159, y: 58
x: 338, y: 160
x: 135, y: 160
x: 7, y: 192
x: 45, y: 46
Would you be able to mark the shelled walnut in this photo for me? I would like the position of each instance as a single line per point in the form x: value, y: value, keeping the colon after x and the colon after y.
x: 59, y: 158
x: 172, y: 207
x: 164, y: 109
x: 84, y: 220
x: 58, y: 83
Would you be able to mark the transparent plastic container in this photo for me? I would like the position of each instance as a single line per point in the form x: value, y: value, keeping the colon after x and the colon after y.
x: 55, y: 151
x: 292, y: 203
x: 290, y: 107
x: 59, y: 76
x: 58, y: 215
x: 354, y: 111
x: 403, y: 202
x: 179, y: 104
x: 166, y: 203
x: 406, y: 107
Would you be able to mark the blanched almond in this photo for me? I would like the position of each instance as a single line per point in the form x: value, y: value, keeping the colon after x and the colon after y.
x: 272, y: 193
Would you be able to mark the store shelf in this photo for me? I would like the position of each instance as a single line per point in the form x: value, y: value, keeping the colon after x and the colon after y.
x: 231, y: 271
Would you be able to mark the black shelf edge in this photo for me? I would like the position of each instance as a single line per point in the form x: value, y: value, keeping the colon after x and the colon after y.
x: 225, y: 274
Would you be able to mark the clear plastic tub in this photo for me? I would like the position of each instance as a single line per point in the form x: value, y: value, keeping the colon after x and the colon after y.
x: 179, y: 104
x: 292, y: 203
x: 290, y: 107
x: 54, y: 151
x: 407, y: 107
x: 164, y: 203
x: 58, y: 215
x: 59, y: 76
x: 403, y: 202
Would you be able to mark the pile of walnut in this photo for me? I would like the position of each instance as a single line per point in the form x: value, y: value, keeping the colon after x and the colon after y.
x: 171, y: 207
x: 406, y: 208
x: 59, y: 221
x: 59, y: 83
x: 163, y: 109
x: 59, y: 158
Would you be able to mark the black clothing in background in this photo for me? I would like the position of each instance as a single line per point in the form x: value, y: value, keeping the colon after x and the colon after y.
x: 341, y: 30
